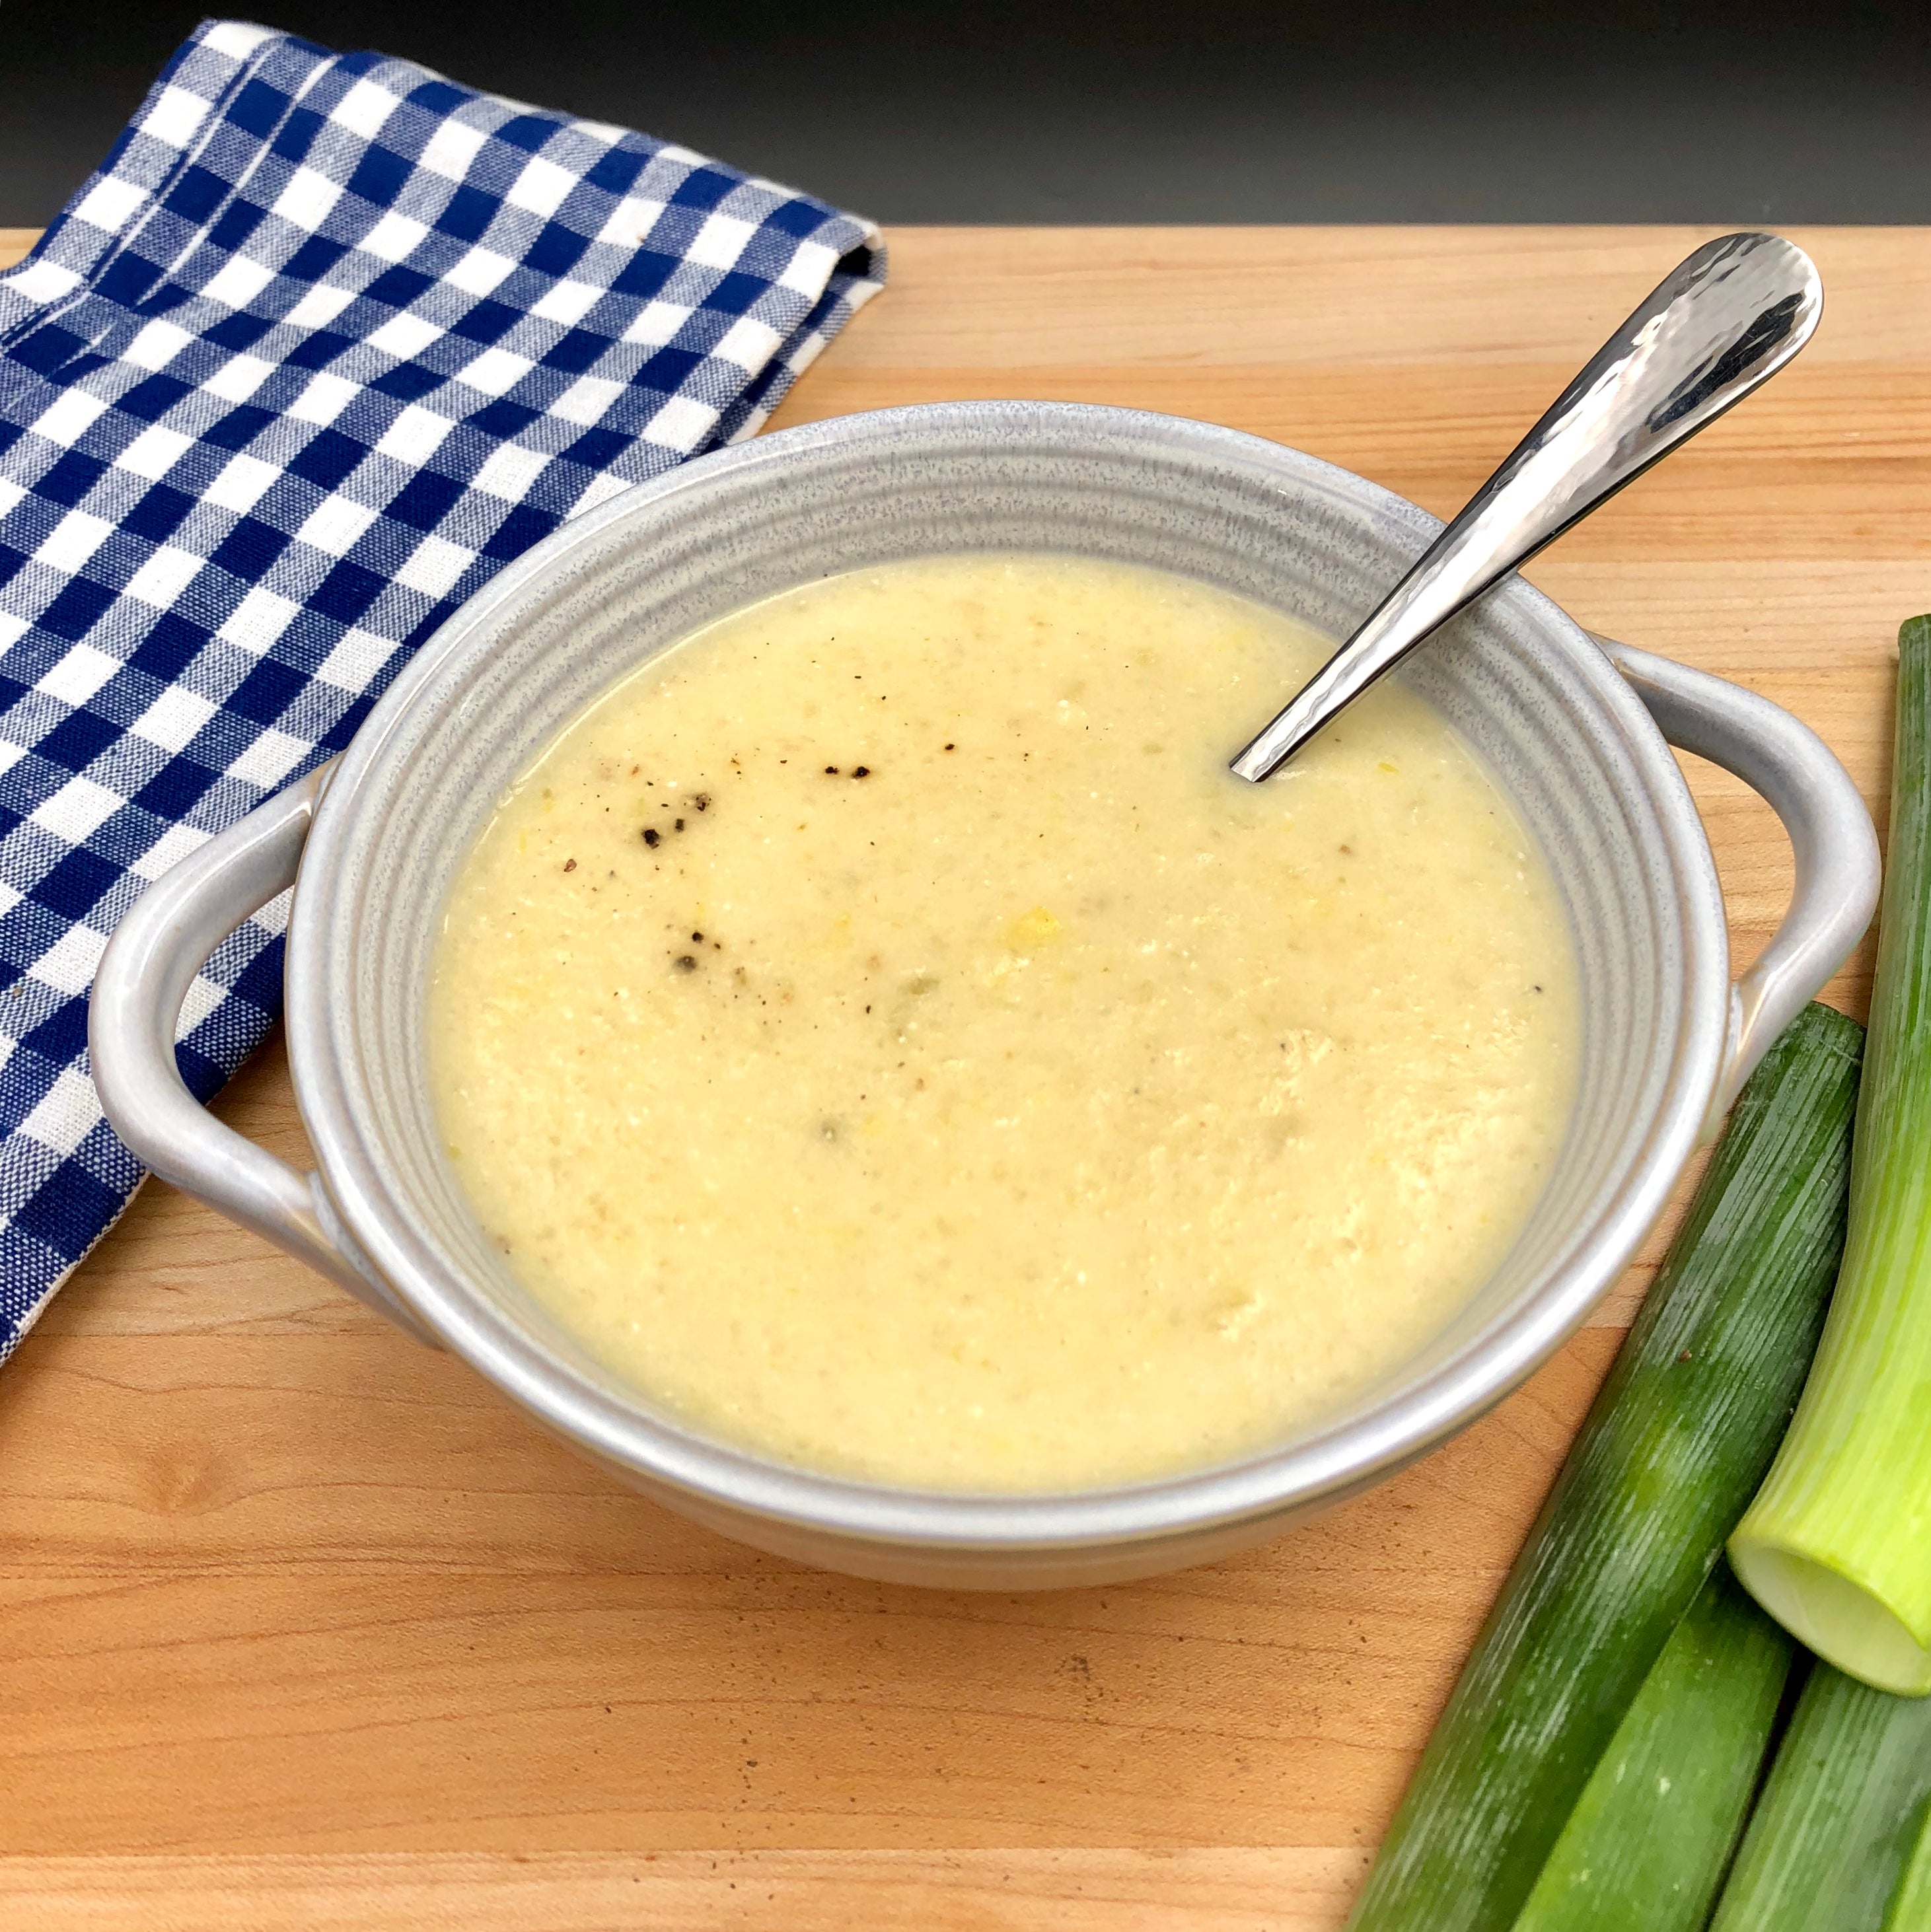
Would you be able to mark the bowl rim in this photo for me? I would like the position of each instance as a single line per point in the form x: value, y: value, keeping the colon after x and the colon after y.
x: 1331, y: 1463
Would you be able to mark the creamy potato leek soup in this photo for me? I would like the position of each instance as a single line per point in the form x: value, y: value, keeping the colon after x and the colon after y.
x: 883, y: 1030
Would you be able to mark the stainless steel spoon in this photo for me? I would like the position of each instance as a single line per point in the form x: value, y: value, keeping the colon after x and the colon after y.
x: 1727, y: 318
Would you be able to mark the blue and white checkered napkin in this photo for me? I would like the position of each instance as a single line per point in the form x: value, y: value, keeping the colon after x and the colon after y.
x: 327, y: 342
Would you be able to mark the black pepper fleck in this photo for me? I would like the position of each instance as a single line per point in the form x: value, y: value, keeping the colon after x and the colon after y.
x: 569, y: 865
x: 702, y: 801
x: 651, y: 834
x: 861, y: 771
x: 951, y: 747
x: 831, y: 771
x: 698, y: 936
x: 686, y: 964
x: 677, y: 825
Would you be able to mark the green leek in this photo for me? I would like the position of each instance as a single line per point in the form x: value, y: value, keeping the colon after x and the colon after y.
x: 1840, y: 1814
x: 1647, y: 1844
x: 1911, y: 1903
x: 1837, y: 1545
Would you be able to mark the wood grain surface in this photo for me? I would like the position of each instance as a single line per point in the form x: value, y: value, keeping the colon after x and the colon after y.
x: 304, y: 1627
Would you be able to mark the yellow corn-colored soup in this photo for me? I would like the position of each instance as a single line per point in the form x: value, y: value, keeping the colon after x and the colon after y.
x: 883, y: 1030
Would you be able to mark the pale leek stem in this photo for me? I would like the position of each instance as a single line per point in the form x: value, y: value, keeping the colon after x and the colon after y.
x: 1837, y: 1545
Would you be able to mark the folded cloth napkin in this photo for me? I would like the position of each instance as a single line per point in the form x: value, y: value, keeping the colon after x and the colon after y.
x: 326, y: 343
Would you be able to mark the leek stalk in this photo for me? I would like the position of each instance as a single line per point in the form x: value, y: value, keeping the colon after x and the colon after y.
x: 1648, y: 1842
x: 1911, y: 1903
x: 1838, y: 1817
x: 1837, y: 1545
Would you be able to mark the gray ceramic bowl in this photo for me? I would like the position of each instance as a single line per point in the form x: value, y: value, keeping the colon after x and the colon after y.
x: 1571, y: 730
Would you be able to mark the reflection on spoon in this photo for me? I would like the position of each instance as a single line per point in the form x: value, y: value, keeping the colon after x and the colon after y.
x: 1726, y: 319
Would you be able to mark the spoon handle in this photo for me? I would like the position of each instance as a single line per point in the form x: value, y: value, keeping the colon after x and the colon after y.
x: 1725, y: 319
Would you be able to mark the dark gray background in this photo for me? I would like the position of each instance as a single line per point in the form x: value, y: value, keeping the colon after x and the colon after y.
x: 1055, y: 111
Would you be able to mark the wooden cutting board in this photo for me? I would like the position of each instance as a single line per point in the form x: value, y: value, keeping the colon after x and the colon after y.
x: 303, y: 1627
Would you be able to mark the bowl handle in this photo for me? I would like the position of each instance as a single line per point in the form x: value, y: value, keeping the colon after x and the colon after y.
x: 144, y: 976
x: 1831, y: 832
